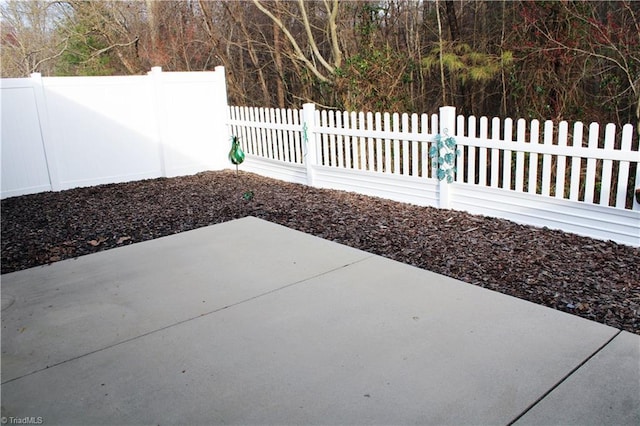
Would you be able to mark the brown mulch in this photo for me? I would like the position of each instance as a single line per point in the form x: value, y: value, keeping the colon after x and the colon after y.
x: 594, y: 279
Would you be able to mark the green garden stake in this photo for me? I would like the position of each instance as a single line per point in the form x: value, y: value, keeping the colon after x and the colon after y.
x: 236, y: 155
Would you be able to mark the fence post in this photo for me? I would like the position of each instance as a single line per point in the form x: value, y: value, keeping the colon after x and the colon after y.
x: 156, y: 81
x: 309, y: 139
x: 48, y: 139
x: 447, y: 121
x: 636, y: 191
x: 221, y: 129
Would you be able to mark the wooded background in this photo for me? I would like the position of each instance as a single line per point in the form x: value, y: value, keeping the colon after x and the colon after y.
x: 558, y: 60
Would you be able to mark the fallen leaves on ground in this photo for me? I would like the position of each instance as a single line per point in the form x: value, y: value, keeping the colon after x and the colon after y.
x: 598, y: 280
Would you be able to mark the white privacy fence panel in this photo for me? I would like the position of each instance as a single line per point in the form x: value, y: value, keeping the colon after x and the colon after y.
x: 65, y: 132
x: 577, y: 179
x: 101, y: 129
x: 191, y: 111
x: 23, y: 159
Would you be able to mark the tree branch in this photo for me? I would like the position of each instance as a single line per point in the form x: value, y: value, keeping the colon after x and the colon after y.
x: 66, y: 44
x: 299, y: 55
x: 113, y: 46
x: 333, y: 15
x: 312, y: 41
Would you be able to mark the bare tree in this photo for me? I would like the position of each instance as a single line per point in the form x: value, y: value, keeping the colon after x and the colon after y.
x: 30, y: 42
x: 560, y: 60
x: 322, y: 66
x: 582, y: 58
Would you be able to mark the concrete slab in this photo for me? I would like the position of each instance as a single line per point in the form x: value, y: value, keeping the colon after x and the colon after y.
x: 604, y: 391
x: 71, y: 308
x: 356, y: 339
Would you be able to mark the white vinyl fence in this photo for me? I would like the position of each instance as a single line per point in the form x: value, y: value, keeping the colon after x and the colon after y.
x: 65, y: 132
x: 569, y: 179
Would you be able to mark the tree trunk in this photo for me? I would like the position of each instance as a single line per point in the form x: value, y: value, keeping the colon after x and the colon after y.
x: 453, y: 21
x: 441, y: 42
x: 153, y: 32
x: 277, y: 56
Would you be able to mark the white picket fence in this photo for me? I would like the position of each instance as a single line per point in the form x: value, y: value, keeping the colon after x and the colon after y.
x: 574, y: 181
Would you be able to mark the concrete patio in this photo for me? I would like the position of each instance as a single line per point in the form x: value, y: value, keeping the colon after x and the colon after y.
x: 248, y: 322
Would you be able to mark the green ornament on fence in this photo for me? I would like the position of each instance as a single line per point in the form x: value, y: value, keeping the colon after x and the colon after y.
x: 236, y: 155
x: 444, y: 152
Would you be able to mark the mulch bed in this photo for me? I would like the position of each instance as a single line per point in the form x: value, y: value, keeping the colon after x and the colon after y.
x: 594, y: 279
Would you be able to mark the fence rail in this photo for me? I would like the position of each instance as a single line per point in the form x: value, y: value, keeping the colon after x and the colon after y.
x: 534, y: 173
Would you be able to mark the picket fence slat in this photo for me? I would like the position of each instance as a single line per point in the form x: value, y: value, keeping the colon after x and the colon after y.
x: 255, y: 133
x: 278, y: 135
x: 241, y: 114
x: 590, y: 180
x: 265, y: 133
x: 471, y: 161
x: 324, y: 145
x: 370, y: 143
x: 396, y: 144
x: 461, y: 167
x: 533, y: 158
x: 605, y: 186
x: 387, y: 143
x: 576, y: 163
x: 415, y: 146
x: 520, y: 156
x: 623, y: 174
x: 379, y: 152
x: 405, y: 145
x: 482, y: 152
x: 347, y: 142
x: 563, y: 130
x: 341, y: 145
x: 546, y: 159
x: 508, y: 135
x: 278, y: 151
x: 495, y: 153
x: 297, y: 119
x: 361, y: 141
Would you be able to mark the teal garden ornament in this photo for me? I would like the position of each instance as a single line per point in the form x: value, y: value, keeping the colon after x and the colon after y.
x: 444, y: 152
x: 236, y: 155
